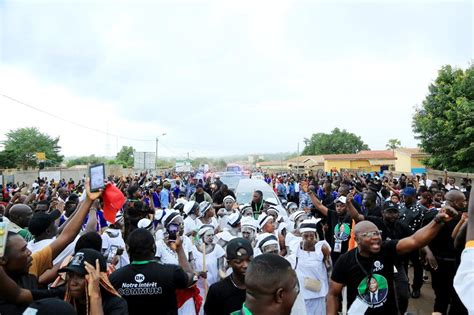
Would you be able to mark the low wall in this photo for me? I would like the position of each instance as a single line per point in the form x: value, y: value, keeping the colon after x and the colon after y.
x: 76, y: 173
x: 435, y: 174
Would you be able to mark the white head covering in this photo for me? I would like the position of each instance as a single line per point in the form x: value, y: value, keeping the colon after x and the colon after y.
x: 309, y: 225
x: 234, y: 219
x: 249, y: 222
x: 145, y: 224
x: 204, y: 207
x: 228, y: 197
x: 180, y: 202
x: 274, y: 209
x: 190, y: 205
x: 204, y: 228
x: 159, y: 214
x: 291, y: 205
x: 169, y: 217
x: 245, y: 208
x: 263, y: 218
x: 266, y: 239
x: 119, y: 217
x: 225, y: 236
x: 295, y: 215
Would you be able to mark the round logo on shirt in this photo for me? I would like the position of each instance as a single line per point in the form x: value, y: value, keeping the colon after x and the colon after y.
x: 139, y: 278
x: 342, y: 231
x: 373, y: 290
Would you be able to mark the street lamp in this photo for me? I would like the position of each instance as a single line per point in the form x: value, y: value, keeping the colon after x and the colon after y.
x: 156, y: 150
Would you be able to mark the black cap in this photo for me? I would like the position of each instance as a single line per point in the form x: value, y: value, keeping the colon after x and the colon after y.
x: 77, y: 263
x: 41, y: 221
x: 232, y: 249
x: 50, y: 306
x: 389, y: 206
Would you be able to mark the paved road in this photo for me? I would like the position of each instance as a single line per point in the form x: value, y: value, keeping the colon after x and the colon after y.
x: 423, y: 305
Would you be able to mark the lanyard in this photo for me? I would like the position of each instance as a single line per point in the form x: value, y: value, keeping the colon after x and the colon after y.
x: 259, y: 207
x: 368, y: 274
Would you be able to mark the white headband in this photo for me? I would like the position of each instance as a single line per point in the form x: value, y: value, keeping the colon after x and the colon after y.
x: 263, y: 219
x: 309, y: 225
x: 267, y: 239
x: 204, y: 228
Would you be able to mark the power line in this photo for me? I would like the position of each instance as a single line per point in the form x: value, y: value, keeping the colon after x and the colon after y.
x: 73, y: 122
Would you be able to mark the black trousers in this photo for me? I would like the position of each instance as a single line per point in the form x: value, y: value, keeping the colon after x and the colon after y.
x: 402, y: 288
x: 442, y: 283
x: 414, y: 257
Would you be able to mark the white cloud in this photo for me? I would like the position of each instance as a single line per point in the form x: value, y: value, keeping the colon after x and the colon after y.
x: 221, y: 77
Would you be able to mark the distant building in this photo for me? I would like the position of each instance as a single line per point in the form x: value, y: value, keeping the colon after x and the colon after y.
x: 410, y: 160
x: 401, y: 160
x: 305, y: 162
x: 271, y: 165
x: 366, y: 161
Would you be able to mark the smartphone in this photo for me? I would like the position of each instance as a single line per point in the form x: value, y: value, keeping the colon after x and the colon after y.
x: 172, y: 230
x: 112, y: 252
x: 97, y: 176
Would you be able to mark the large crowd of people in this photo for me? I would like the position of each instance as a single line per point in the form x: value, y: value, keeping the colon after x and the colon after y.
x: 326, y: 243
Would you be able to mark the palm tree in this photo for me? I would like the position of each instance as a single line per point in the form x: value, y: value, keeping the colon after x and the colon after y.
x: 392, y: 144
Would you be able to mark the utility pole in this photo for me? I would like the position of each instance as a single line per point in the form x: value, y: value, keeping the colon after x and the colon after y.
x: 298, y: 160
x: 156, y: 151
x: 156, y: 155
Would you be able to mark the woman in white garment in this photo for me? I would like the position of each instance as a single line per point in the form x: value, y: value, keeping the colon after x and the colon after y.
x: 208, y: 267
x: 224, y: 213
x: 191, y: 213
x: 267, y: 243
x: 312, y: 262
x: 112, y: 240
x: 293, y: 238
x: 207, y: 215
x: 248, y: 228
x: 233, y: 224
x: 291, y: 207
x: 166, y: 251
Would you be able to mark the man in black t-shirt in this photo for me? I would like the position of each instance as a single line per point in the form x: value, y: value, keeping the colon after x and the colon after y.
x: 392, y: 229
x: 228, y: 295
x: 146, y: 284
x: 443, y: 258
x: 374, y: 259
x: 339, y: 225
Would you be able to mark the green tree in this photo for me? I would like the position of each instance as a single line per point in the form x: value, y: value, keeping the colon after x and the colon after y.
x: 7, y: 159
x: 444, y: 123
x: 336, y: 142
x: 196, y: 162
x: 85, y: 160
x: 163, y: 163
x: 125, y: 156
x: 392, y: 144
x: 221, y: 164
x: 22, y: 145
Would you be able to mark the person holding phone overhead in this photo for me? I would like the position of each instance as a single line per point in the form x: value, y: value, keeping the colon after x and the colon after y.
x: 97, y: 176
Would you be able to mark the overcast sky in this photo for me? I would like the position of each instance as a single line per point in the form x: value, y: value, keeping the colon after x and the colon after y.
x: 223, y: 77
